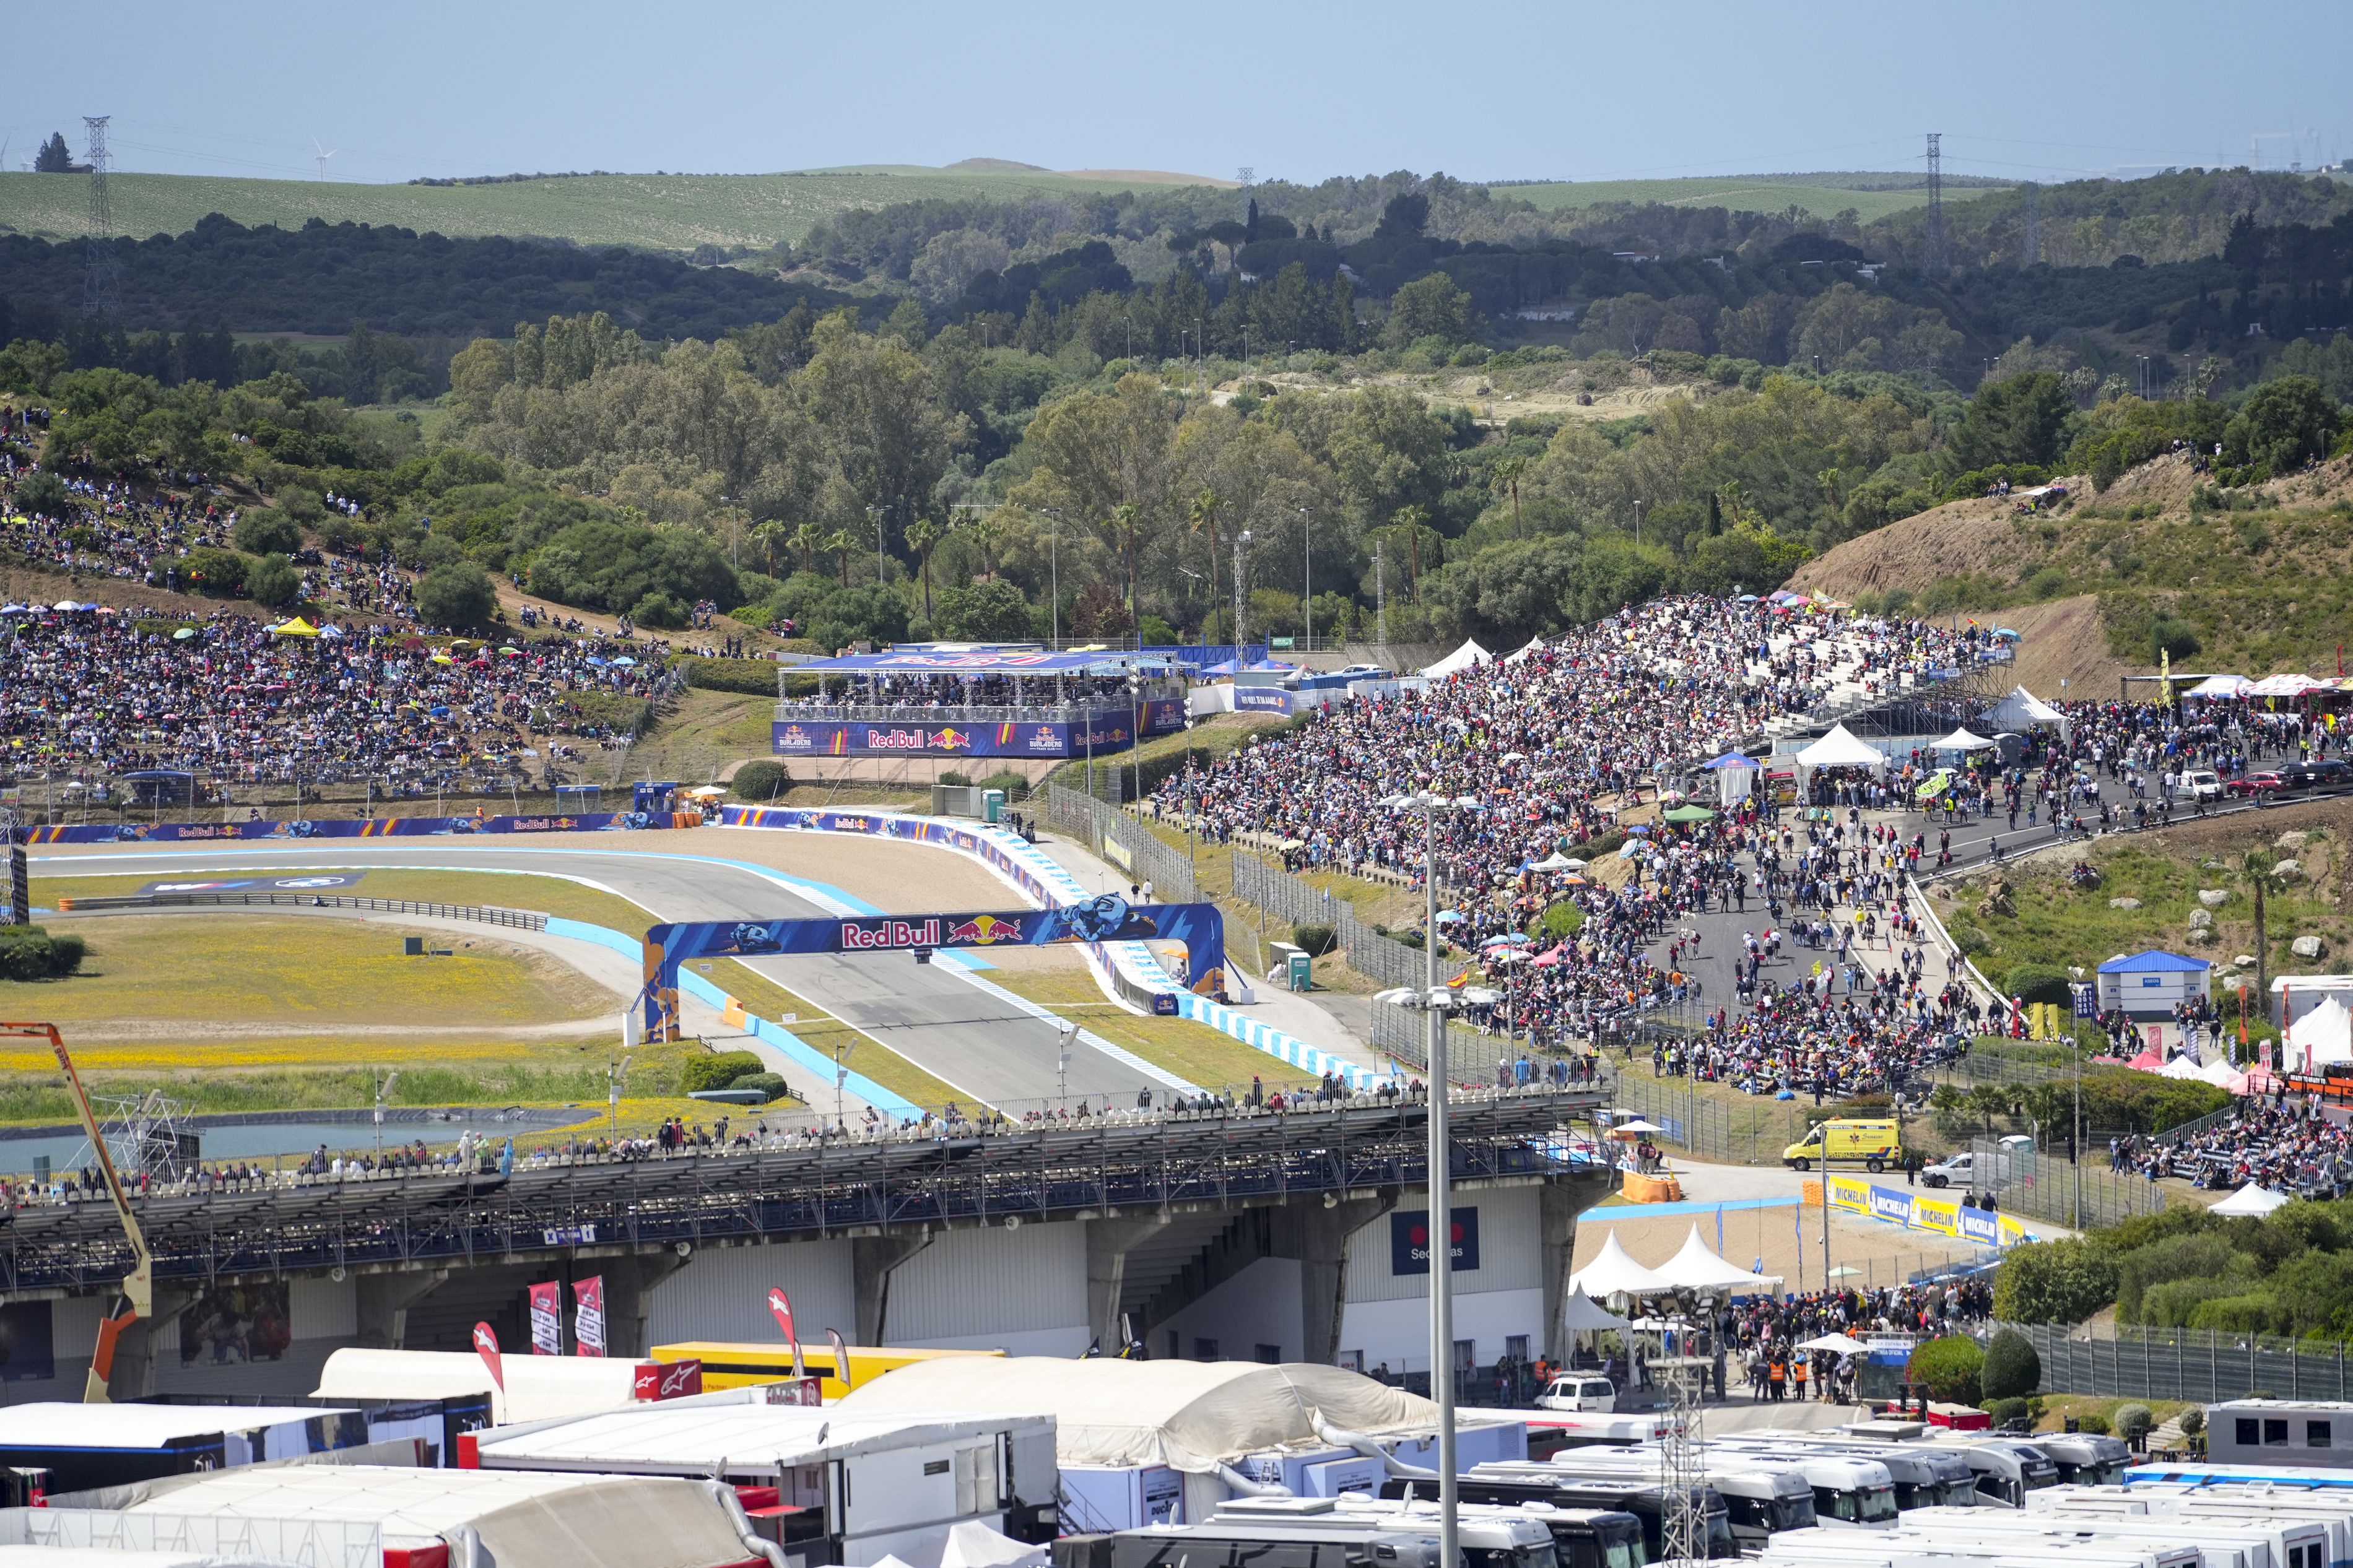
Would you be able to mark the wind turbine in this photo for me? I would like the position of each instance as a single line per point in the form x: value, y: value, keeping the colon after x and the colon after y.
x: 325, y: 154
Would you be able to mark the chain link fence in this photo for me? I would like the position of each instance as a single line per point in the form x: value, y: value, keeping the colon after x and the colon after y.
x: 2079, y: 1195
x: 1752, y: 1130
x: 1123, y: 842
x: 2129, y: 1361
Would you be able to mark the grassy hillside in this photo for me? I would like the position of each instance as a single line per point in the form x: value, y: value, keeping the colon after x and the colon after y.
x: 662, y: 212
x: 1871, y: 195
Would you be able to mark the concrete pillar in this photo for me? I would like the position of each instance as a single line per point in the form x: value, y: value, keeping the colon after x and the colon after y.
x: 1109, y: 1241
x: 1317, y: 1237
x: 872, y: 1259
x: 133, y: 1375
x: 384, y: 1302
x: 1561, y: 1200
x: 630, y: 1295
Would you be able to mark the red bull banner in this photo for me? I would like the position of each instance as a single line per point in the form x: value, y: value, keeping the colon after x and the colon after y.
x: 356, y: 827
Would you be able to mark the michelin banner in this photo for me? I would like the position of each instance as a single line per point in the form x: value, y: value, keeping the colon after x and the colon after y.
x: 1923, y: 1211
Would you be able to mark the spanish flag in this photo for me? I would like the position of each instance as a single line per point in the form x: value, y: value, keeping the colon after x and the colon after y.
x: 1458, y: 981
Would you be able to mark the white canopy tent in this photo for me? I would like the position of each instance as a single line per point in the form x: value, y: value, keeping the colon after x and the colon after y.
x: 2021, y: 710
x: 1698, y: 1267
x: 1536, y: 646
x: 2218, y: 1071
x: 1961, y: 739
x: 2251, y: 1201
x: 2282, y: 686
x: 1469, y: 655
x: 2221, y: 686
x: 2323, y: 1036
x: 2182, y: 1067
x: 1615, y: 1273
x: 1581, y: 1314
x: 1841, y: 748
x: 1845, y: 1344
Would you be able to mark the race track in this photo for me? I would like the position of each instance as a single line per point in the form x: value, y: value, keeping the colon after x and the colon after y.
x: 935, y: 1015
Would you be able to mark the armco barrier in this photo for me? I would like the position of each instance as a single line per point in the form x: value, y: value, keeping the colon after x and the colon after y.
x: 1128, y: 967
x: 357, y: 827
x: 488, y: 914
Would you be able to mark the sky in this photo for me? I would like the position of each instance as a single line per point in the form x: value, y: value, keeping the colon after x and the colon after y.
x: 2046, y: 90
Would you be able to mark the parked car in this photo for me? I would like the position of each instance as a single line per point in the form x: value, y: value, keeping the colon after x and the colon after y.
x: 2201, y: 783
x: 2331, y: 772
x: 2268, y: 782
x: 1968, y: 1169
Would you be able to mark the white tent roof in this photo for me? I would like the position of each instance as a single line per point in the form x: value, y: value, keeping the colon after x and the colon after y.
x: 2282, y: 686
x: 2181, y: 1067
x: 1581, y: 1312
x: 1461, y: 658
x: 971, y: 1544
x: 1696, y: 1267
x: 538, y: 1386
x: 1536, y: 646
x: 690, y: 1438
x: 1844, y: 1343
x: 2251, y: 1199
x: 1961, y: 739
x: 1839, y: 749
x: 2221, y: 686
x: 1189, y: 1415
x: 1614, y: 1271
x: 2218, y: 1071
x: 2324, y: 1034
x: 2020, y: 709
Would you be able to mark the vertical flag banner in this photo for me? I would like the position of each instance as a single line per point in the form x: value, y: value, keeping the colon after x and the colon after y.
x: 588, y: 1320
x: 486, y: 1345
x: 782, y: 1306
x: 547, y: 1319
x: 840, y: 1359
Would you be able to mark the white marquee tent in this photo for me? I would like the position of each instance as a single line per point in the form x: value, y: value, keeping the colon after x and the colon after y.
x: 2322, y: 1036
x: 1841, y: 748
x: 1469, y: 655
x: 1961, y: 739
x: 2021, y: 710
x: 1614, y: 1272
x: 1697, y: 1268
x: 2250, y: 1200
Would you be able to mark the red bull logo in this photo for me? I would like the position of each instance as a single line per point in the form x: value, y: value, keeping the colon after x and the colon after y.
x: 982, y: 929
x: 880, y: 936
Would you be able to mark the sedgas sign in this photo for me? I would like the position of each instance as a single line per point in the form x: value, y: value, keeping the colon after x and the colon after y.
x: 1409, y: 1241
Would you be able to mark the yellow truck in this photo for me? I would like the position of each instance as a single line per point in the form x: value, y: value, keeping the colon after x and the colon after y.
x: 1874, y: 1143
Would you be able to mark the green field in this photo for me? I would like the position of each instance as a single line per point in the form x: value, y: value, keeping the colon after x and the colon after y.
x: 659, y: 211
x: 1761, y: 192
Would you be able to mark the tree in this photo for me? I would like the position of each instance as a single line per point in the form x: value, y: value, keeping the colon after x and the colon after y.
x: 1431, y: 306
x: 2013, y: 1370
x: 2063, y: 1281
x: 54, y: 158
x: 2020, y: 420
x: 1505, y: 476
x: 993, y: 611
x: 264, y: 530
x: 457, y: 597
x: 1127, y: 520
x: 2261, y: 868
x: 844, y: 544
x: 807, y: 538
x: 272, y: 580
x: 1411, y: 518
x: 1203, y: 515
x: 924, y: 535
x: 2284, y: 423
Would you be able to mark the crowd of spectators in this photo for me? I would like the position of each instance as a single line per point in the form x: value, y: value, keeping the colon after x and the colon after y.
x: 2274, y: 1143
x: 95, y: 694
x: 1539, y: 758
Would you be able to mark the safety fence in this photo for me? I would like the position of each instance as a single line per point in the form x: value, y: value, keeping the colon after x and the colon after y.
x: 487, y: 914
x: 1121, y: 841
x: 1372, y: 953
x: 1752, y: 1130
x: 2125, y: 1361
x: 2078, y: 1194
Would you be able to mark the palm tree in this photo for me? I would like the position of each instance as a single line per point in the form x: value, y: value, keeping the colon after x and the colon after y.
x: 1204, y: 516
x: 808, y: 539
x: 986, y: 531
x: 1128, y: 518
x: 1507, y: 473
x: 2261, y: 868
x: 1412, y: 518
x: 767, y: 536
x: 924, y: 534
x: 843, y: 542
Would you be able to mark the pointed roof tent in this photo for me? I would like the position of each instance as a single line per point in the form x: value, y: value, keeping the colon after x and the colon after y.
x: 1614, y: 1272
x: 1469, y: 655
x: 2021, y: 710
x: 2323, y: 1036
x: 1961, y: 739
x: 1841, y: 748
x: 2251, y: 1201
x: 1536, y: 646
x: 1582, y: 1314
x: 1698, y: 1267
x: 2221, y: 686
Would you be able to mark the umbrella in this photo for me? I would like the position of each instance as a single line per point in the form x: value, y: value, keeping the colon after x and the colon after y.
x: 1448, y: 917
x: 65, y: 604
x: 1690, y: 814
x: 184, y: 634
x: 625, y: 662
x: 1508, y: 939
x: 511, y: 652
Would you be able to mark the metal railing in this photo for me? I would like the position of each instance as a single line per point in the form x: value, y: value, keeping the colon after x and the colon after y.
x: 487, y: 914
x: 2130, y: 1362
x: 954, y: 713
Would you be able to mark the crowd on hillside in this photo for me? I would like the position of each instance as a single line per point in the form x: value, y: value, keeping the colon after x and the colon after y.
x: 1538, y: 757
x: 92, y: 695
x: 2280, y: 1146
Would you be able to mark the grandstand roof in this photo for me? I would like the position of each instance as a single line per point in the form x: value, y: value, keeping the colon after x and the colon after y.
x: 980, y: 661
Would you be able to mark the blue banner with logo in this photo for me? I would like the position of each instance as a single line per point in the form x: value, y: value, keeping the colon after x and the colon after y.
x: 356, y: 827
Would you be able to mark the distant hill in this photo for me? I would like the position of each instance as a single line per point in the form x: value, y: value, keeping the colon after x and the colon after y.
x: 1872, y: 196
x: 657, y: 212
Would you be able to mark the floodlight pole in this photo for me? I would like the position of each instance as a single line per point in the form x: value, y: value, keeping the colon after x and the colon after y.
x: 1441, y: 1213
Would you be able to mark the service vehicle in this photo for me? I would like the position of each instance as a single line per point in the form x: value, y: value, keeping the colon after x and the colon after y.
x: 1873, y: 1143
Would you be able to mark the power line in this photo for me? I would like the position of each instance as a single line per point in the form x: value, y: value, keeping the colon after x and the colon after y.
x: 102, y: 282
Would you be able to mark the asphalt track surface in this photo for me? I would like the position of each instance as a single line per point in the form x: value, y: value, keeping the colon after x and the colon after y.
x: 933, y: 1015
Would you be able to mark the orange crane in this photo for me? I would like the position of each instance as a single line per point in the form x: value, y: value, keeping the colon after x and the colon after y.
x: 137, y: 1298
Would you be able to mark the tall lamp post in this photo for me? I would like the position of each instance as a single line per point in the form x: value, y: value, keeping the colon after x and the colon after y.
x: 1307, y: 577
x: 1055, y: 565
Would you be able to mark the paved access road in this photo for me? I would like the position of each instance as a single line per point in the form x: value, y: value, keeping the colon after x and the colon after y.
x: 934, y: 1015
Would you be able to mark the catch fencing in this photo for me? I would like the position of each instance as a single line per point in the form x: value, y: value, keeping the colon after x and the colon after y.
x: 2125, y: 1361
x: 1371, y: 953
x: 487, y: 914
x: 1121, y: 841
x: 1752, y: 1130
x: 2045, y: 1186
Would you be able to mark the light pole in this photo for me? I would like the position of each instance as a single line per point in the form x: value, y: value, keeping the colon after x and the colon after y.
x: 1637, y: 525
x: 1307, y: 577
x: 1240, y: 538
x: 614, y: 1073
x: 1069, y: 1031
x: 382, y: 1090
x: 841, y: 1080
x: 1441, y: 1209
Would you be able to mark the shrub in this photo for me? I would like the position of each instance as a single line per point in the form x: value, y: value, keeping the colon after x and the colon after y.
x: 1016, y: 786
x: 752, y: 677
x: 1556, y: 924
x: 2193, y: 1421
x: 458, y: 597
x: 2006, y: 1411
x: 2133, y: 1422
x: 1950, y: 1367
x: 218, y: 573
x: 2013, y: 1370
x: 659, y: 610
x: 272, y: 580
x: 2037, y: 983
x: 267, y: 531
x: 30, y: 953
x: 955, y: 779
x: 2063, y: 1281
x: 1315, y: 941
x: 717, y: 1072
x: 760, y: 780
x: 2094, y: 1423
x: 771, y: 1084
